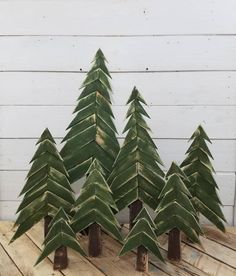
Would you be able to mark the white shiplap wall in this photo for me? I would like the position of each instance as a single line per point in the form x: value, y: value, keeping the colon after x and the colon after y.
x: 180, y: 54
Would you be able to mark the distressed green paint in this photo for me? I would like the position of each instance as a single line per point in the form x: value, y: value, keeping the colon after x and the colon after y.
x: 142, y: 234
x: 202, y: 185
x: 47, y: 187
x: 137, y: 173
x: 95, y: 204
x: 175, y: 209
x: 60, y: 234
x: 92, y: 133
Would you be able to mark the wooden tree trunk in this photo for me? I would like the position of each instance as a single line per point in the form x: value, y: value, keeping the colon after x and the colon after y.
x: 174, y: 245
x: 47, y: 221
x: 134, y: 209
x: 60, y: 258
x: 142, y: 253
x: 95, y: 241
x: 142, y: 259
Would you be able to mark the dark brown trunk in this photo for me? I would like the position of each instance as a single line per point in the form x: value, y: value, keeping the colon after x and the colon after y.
x: 47, y: 220
x: 134, y: 209
x: 60, y: 258
x: 95, y: 241
x: 174, y: 245
x: 142, y: 259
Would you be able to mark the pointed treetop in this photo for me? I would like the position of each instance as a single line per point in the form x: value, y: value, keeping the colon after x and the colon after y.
x: 175, y: 169
x: 144, y: 214
x: 200, y: 132
x: 95, y: 165
x: 135, y: 95
x: 99, y: 54
x: 175, y: 184
x: 61, y: 214
x: 46, y: 135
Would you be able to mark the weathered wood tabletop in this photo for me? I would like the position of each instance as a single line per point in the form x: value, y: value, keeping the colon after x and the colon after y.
x: 217, y: 258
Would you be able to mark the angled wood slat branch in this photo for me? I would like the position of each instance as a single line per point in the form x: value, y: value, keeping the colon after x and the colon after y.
x: 202, y: 186
x: 92, y: 133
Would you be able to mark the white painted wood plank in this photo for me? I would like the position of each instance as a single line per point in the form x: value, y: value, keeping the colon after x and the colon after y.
x: 16, y: 153
x: 13, y: 181
x: 207, y: 88
x: 166, y: 121
x: 123, y: 53
x: 111, y: 17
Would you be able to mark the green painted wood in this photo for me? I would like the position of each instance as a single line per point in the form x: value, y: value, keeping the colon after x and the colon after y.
x: 95, y: 204
x: 47, y: 187
x: 142, y: 234
x: 59, y: 237
x: 137, y: 173
x: 202, y: 186
x: 92, y: 133
x: 175, y: 209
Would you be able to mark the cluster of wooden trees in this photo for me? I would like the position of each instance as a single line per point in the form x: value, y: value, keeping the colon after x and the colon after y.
x: 115, y: 178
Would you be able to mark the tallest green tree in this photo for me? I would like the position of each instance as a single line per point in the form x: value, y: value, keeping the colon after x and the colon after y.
x: 92, y: 133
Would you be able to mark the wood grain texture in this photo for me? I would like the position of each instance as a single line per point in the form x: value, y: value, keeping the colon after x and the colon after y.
x: 133, y: 17
x: 123, y: 53
x: 7, y: 266
x: 21, y: 248
x: 77, y: 263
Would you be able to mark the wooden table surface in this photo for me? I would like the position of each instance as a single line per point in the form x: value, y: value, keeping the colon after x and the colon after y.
x: 217, y: 258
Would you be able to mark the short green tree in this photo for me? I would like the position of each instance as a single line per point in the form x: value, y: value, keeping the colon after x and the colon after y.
x: 92, y: 133
x: 142, y: 236
x: 94, y: 209
x: 137, y: 175
x: 47, y: 187
x: 202, y: 186
x: 60, y: 236
x: 176, y: 213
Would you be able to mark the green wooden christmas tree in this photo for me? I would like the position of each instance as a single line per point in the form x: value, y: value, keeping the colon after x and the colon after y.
x: 143, y: 237
x: 94, y: 209
x: 92, y: 133
x: 203, y: 187
x: 176, y: 213
x: 47, y: 187
x: 136, y: 177
x: 60, y: 236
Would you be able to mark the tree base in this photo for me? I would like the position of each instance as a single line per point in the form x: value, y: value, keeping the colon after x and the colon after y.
x: 142, y: 259
x: 60, y: 258
x: 174, y: 245
x: 95, y: 240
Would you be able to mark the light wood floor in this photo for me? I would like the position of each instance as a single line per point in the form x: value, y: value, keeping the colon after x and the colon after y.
x: 217, y: 258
